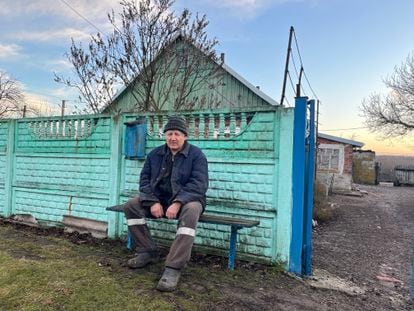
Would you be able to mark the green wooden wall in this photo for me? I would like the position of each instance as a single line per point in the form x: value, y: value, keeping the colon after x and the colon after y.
x: 220, y: 89
x: 230, y: 94
x: 75, y: 166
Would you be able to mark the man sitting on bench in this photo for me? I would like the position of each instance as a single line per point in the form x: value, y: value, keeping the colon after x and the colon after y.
x: 173, y: 184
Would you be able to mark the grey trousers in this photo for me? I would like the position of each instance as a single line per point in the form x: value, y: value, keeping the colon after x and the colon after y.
x: 180, y: 250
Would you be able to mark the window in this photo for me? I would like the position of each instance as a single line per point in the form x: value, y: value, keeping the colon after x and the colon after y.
x: 330, y: 157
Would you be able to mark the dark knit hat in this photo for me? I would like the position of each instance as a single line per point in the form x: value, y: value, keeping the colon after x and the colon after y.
x: 176, y: 123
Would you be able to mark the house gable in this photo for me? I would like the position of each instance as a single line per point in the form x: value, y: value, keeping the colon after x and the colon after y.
x: 226, y: 90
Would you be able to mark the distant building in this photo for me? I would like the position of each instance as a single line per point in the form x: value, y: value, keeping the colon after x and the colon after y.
x: 334, y: 161
x: 365, y: 170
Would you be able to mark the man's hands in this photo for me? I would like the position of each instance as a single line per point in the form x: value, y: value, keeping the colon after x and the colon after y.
x: 156, y: 210
x: 172, y: 210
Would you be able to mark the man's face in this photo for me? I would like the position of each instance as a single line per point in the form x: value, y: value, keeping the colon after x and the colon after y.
x: 175, y: 140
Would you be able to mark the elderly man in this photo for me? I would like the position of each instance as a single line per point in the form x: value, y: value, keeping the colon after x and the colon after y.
x: 173, y: 184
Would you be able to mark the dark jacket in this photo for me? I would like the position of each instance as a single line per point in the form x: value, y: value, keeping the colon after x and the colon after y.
x: 189, y: 176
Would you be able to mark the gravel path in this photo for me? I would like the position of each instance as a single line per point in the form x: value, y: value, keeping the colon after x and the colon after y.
x: 370, y: 244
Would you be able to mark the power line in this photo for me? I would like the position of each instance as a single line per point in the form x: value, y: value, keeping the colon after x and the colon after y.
x: 301, y: 62
x: 298, y: 75
x: 297, y: 47
x: 294, y: 66
x: 287, y: 101
x: 310, y: 87
x: 347, y: 129
x: 81, y: 16
x: 291, y: 82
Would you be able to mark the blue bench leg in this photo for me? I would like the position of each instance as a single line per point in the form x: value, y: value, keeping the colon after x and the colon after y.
x: 232, y: 251
x: 129, y: 241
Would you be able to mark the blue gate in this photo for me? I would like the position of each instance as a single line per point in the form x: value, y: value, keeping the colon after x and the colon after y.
x: 303, y: 175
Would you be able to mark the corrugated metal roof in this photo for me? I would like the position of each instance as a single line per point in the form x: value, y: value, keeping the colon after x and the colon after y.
x: 341, y: 140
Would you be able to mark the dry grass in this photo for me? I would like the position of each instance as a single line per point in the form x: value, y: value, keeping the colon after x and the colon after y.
x: 42, y: 271
x: 50, y: 273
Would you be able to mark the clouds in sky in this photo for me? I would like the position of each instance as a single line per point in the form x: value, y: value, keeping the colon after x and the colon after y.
x: 91, y: 8
x: 69, y: 16
x: 247, y: 8
x: 52, y: 35
x: 9, y: 50
x: 36, y: 17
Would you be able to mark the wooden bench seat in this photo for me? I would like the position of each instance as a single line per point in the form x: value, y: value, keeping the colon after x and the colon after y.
x: 234, y: 223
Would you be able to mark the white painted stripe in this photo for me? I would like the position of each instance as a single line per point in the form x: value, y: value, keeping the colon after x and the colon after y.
x: 137, y: 221
x: 186, y: 231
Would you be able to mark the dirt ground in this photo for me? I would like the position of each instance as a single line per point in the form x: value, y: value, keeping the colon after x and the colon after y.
x: 370, y: 243
x: 361, y: 261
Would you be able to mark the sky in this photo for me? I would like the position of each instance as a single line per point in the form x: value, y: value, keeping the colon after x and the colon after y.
x: 347, y: 48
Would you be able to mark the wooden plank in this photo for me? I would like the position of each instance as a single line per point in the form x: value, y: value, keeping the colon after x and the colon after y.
x: 116, y: 208
x: 206, y: 218
x: 231, y: 221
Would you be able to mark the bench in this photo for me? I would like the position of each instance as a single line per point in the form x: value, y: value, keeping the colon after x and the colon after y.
x: 234, y: 223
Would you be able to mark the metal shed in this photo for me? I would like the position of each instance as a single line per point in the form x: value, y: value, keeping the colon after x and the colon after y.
x: 404, y: 175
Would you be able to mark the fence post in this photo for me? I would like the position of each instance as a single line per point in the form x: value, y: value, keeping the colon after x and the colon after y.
x: 310, y: 171
x: 115, y: 171
x: 8, y: 187
x: 298, y: 191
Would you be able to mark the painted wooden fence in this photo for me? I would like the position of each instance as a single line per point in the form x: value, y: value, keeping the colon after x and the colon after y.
x: 52, y: 167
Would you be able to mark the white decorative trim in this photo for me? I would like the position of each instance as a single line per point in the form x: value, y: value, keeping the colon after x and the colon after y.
x: 137, y: 221
x: 186, y: 231
x: 68, y: 128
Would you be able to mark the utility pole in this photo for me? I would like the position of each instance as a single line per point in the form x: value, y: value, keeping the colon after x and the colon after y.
x: 24, y: 111
x: 287, y: 64
x: 298, y: 85
x: 63, y: 108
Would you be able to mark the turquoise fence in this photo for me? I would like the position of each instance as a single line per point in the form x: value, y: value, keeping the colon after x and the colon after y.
x: 52, y: 167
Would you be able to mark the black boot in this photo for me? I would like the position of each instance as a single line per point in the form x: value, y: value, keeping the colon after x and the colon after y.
x: 169, y: 280
x: 143, y: 259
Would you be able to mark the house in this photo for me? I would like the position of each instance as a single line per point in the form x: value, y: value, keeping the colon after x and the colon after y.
x: 365, y: 168
x: 334, y: 161
x: 223, y: 89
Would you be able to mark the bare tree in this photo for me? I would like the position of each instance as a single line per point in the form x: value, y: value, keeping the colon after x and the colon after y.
x: 163, y: 58
x: 11, y: 97
x: 393, y: 114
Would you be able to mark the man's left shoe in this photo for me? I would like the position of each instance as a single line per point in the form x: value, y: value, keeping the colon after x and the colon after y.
x: 143, y: 259
x: 169, y: 280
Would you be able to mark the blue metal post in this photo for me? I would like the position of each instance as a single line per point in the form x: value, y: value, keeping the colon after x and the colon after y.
x: 310, y: 170
x: 232, y: 251
x: 298, y: 191
x: 129, y: 241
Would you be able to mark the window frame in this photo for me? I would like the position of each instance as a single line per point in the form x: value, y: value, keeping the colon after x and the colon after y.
x: 338, y: 147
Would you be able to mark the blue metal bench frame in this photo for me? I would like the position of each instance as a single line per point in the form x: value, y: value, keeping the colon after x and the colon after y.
x: 235, y: 224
